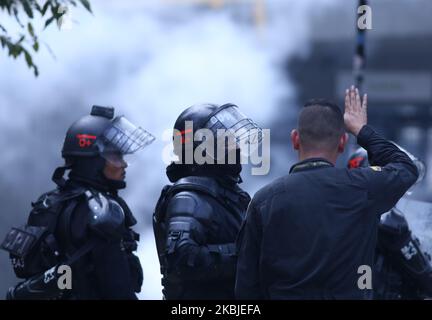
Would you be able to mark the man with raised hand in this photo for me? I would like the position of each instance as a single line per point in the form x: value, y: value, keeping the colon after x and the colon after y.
x: 311, y: 234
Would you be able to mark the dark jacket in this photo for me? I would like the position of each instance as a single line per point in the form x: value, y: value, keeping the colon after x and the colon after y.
x: 307, y: 233
x: 403, y: 269
x: 196, y: 224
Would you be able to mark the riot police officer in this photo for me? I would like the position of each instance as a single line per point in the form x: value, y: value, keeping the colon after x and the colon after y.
x: 197, y: 219
x: 402, y: 269
x: 83, y: 223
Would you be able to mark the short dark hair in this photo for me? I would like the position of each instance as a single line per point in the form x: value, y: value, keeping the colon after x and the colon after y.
x: 320, y: 125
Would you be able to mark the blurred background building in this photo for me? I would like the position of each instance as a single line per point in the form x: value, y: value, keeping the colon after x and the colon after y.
x: 398, y: 79
x: 151, y: 59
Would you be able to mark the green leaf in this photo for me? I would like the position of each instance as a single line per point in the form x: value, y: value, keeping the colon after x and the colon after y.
x: 37, y: 6
x: 86, y: 5
x: 49, y: 21
x: 28, y: 59
x: 21, y: 39
x: 36, y: 46
x: 55, y: 8
x: 30, y: 29
x: 45, y: 7
x: 15, y: 51
x: 15, y: 13
x: 9, y: 7
x: 27, y: 8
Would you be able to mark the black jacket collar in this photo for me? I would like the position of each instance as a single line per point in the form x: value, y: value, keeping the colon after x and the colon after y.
x: 309, y: 164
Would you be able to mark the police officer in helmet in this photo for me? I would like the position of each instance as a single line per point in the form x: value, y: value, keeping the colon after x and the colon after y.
x: 84, y: 222
x: 197, y: 219
x: 402, y: 269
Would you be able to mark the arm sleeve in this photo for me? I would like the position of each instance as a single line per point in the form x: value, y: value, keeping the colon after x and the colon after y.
x: 111, y: 273
x: 187, y: 251
x: 391, y: 173
x: 249, y: 243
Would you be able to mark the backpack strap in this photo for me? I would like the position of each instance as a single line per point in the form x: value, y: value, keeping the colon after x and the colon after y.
x: 82, y: 251
x: 64, y: 223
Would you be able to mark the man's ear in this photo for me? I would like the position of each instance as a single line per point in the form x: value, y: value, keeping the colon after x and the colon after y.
x: 295, y: 139
x: 342, y: 142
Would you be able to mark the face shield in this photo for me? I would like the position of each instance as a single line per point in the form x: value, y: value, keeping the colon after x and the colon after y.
x: 122, y: 138
x: 243, y: 132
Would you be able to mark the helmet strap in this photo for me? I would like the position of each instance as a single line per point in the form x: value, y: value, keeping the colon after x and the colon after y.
x: 58, y: 174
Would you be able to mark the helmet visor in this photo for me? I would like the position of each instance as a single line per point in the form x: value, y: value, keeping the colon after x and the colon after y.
x: 124, y: 137
x: 244, y: 130
x: 116, y: 159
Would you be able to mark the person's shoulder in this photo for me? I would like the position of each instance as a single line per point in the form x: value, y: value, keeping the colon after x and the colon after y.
x: 193, y: 196
x: 57, y: 198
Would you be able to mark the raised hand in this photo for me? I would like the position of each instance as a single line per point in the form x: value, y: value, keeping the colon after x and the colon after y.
x: 355, y: 115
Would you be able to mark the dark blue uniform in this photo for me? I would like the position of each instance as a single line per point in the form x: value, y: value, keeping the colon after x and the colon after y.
x: 196, y: 225
x: 307, y: 233
x: 110, y: 270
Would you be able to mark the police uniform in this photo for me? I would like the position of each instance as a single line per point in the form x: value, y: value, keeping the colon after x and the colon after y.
x: 110, y: 270
x: 196, y: 226
x: 309, y: 234
x: 198, y: 217
x: 83, y: 224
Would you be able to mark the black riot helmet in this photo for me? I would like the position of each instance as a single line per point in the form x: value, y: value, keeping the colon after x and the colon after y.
x: 80, y: 140
x: 216, y: 120
x: 97, y: 138
x: 101, y: 134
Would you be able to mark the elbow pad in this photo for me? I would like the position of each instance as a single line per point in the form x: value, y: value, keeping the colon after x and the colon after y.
x: 183, y: 230
x: 106, y: 217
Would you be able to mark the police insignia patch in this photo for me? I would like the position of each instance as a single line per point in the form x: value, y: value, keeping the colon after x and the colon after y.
x: 376, y: 168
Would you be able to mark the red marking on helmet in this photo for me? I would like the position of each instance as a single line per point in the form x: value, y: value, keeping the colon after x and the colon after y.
x: 183, y: 134
x: 355, y: 162
x: 85, y: 140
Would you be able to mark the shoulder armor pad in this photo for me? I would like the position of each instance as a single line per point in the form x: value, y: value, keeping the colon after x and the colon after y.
x: 211, y: 187
x: 106, y: 215
x: 186, y: 203
x: 198, y: 184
